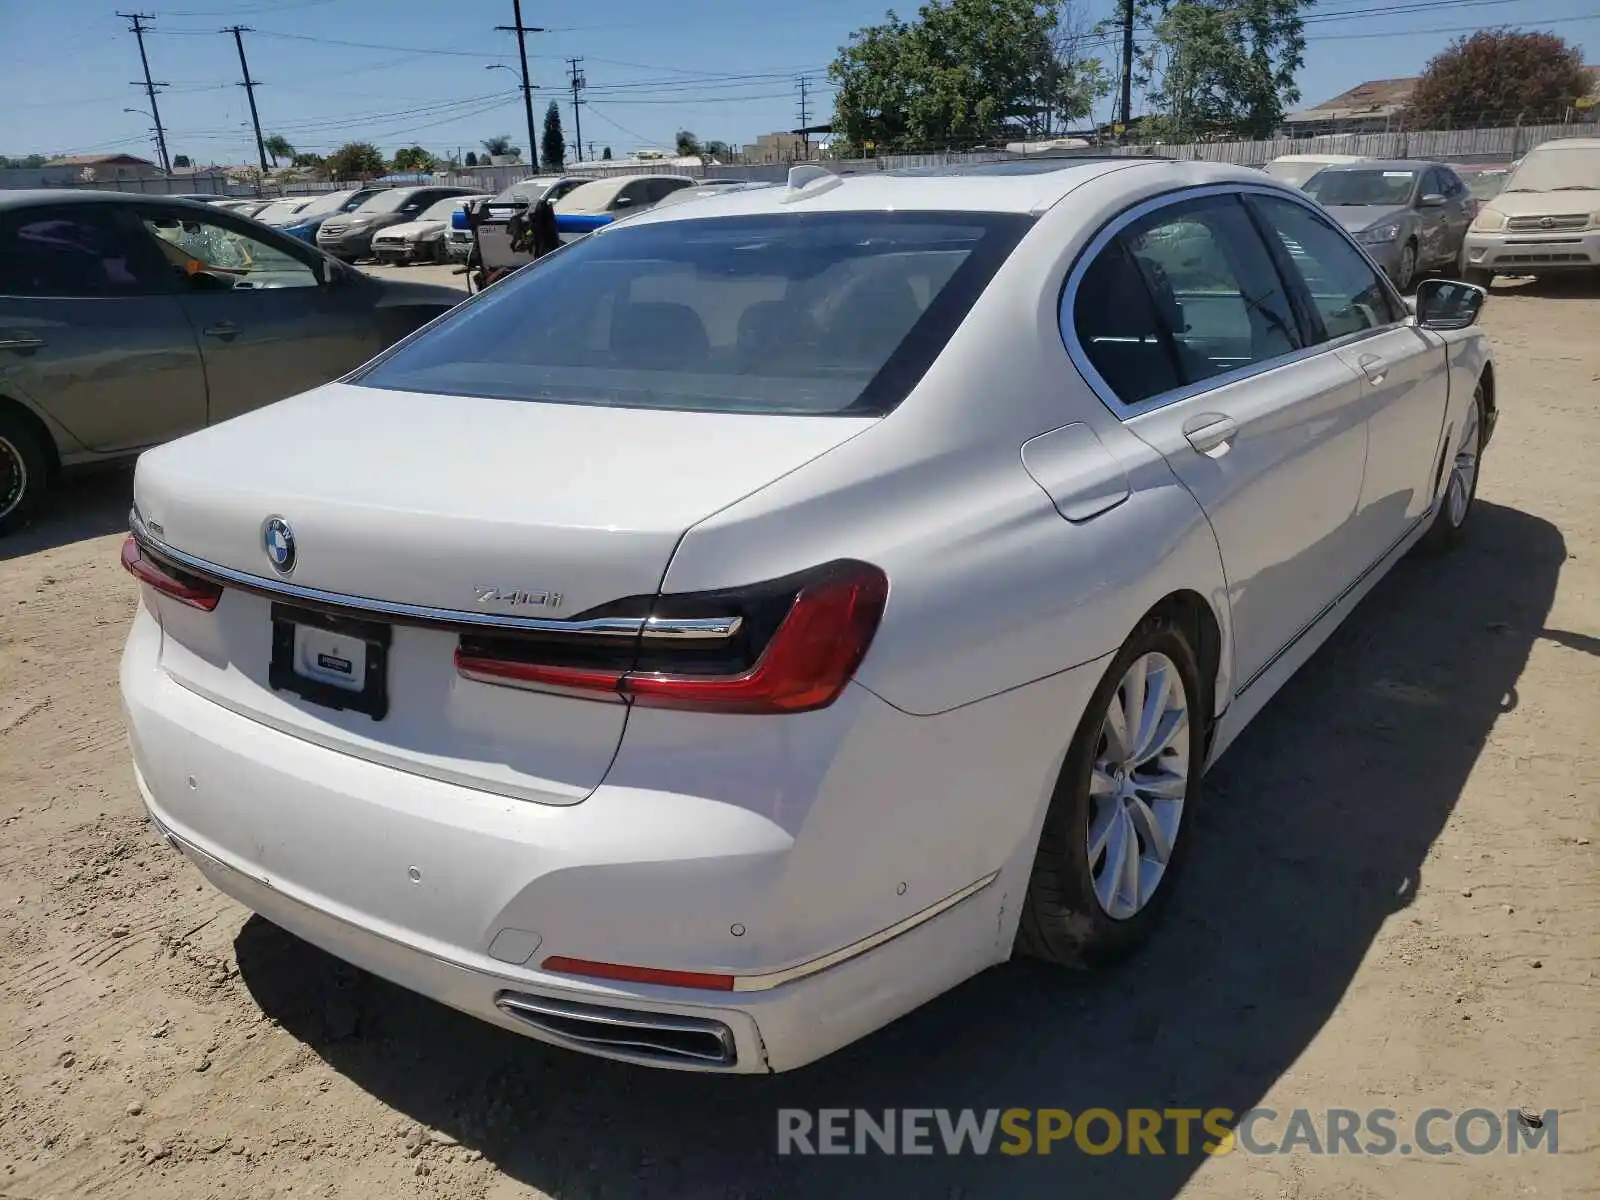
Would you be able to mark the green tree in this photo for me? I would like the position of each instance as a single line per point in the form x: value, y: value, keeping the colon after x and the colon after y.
x: 278, y: 147
x: 718, y: 150
x: 1223, y: 67
x: 472, y: 158
x: 355, y: 160
x: 606, y: 153
x: 1498, y: 77
x: 181, y: 160
x: 553, y: 143
x: 307, y: 160
x: 687, y: 143
x: 965, y: 72
x: 414, y: 159
x: 500, y: 145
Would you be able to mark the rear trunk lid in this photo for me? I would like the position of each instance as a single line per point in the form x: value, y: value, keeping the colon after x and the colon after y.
x: 404, y: 507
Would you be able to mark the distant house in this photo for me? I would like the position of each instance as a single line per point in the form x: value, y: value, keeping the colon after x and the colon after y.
x: 1378, y: 105
x: 99, y: 168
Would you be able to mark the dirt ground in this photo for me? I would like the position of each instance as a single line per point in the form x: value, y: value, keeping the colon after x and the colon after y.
x: 1395, y: 903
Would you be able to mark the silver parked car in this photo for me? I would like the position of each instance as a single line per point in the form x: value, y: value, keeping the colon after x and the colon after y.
x: 1411, y: 216
x: 126, y: 320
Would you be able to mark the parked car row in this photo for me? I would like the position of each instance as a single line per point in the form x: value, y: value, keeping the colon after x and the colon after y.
x: 1538, y: 214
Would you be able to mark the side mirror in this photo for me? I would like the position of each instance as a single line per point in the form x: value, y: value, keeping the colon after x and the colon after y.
x: 1447, y: 304
x: 1432, y: 200
x: 622, y: 202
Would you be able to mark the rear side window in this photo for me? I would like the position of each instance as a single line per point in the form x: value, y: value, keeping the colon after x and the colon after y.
x: 800, y: 313
x: 1184, y: 294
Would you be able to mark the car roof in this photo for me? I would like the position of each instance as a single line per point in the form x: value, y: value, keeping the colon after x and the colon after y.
x: 1571, y: 143
x: 1029, y: 186
x: 29, y: 197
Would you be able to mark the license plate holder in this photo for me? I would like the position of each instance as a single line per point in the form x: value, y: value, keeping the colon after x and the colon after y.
x: 334, y: 661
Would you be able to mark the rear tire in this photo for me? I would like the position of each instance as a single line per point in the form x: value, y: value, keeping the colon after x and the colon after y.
x: 1461, y: 485
x: 1113, y: 838
x: 24, y: 473
x: 1406, y: 273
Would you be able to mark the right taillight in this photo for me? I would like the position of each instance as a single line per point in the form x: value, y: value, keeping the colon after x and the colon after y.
x: 168, y: 579
x: 792, y: 646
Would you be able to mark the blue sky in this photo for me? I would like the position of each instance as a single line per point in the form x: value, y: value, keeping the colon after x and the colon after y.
x: 725, y: 69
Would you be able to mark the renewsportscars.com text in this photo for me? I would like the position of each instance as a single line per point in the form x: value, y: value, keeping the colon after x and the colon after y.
x: 1159, y: 1131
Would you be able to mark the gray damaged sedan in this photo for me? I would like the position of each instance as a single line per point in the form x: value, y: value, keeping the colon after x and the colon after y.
x: 127, y: 320
x: 1411, y: 216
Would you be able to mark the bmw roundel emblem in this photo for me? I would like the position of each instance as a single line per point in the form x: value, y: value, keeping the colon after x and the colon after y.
x: 278, y: 541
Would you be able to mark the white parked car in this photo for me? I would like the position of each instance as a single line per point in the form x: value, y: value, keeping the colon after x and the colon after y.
x: 422, y: 240
x: 734, y: 630
x: 1297, y: 169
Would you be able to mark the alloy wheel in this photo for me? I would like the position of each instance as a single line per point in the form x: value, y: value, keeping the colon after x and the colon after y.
x: 1138, y: 784
x: 1408, y: 266
x: 13, y: 477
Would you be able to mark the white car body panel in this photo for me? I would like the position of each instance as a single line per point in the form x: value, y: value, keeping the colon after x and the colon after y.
x: 841, y: 865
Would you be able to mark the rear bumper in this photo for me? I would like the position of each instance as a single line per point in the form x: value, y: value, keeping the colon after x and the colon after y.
x: 461, y: 895
x: 1529, y: 253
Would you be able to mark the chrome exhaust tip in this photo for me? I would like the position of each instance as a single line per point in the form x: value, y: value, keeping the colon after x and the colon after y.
x: 647, y: 1037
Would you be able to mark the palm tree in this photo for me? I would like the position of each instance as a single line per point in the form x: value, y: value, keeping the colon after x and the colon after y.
x: 278, y: 146
x: 500, y: 145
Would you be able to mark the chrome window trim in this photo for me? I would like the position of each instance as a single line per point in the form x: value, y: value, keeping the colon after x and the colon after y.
x: 1069, y: 299
x: 650, y: 628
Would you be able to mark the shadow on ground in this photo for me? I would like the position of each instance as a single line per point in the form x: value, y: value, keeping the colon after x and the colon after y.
x: 1314, y: 833
x: 86, y: 505
x: 1574, y: 285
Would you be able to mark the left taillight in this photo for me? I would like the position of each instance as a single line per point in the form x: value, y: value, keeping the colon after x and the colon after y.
x: 793, y: 645
x: 168, y: 579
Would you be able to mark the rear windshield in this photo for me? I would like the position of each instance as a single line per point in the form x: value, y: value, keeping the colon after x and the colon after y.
x: 802, y: 313
x: 528, y: 190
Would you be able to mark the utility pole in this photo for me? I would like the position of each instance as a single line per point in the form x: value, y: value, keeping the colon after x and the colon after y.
x: 249, y: 86
x: 805, y: 114
x: 150, y: 86
x: 521, y: 31
x: 1127, y: 65
x: 578, y: 84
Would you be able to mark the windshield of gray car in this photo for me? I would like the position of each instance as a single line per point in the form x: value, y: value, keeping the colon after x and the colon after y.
x: 387, y: 202
x: 1386, y: 188
x: 815, y: 313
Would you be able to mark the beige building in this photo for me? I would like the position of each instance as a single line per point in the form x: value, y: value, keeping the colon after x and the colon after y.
x: 772, y: 148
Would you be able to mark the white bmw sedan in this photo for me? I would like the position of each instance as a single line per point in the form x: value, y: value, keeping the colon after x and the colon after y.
x: 754, y: 619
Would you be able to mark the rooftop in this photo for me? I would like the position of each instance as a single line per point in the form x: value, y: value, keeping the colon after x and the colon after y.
x: 99, y: 160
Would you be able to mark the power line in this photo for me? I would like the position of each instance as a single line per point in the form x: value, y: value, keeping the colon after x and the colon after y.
x: 249, y: 86
x: 522, y: 31
x: 138, y: 31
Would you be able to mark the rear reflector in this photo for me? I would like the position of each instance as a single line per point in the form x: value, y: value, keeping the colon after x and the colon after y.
x: 168, y: 579
x: 799, y: 641
x: 600, y: 970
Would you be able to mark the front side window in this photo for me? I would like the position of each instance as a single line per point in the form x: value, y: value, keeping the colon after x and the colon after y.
x: 805, y: 313
x: 1212, y: 301
x: 215, y: 256
x: 1345, y: 288
x: 75, y: 250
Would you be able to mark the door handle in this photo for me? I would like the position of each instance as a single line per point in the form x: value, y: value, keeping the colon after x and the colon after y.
x: 22, y: 343
x: 1372, y: 367
x: 1211, y: 434
x: 226, y: 330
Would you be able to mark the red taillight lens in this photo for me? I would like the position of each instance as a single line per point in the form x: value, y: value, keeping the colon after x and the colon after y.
x: 169, y: 580
x: 802, y: 639
x: 655, y: 975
